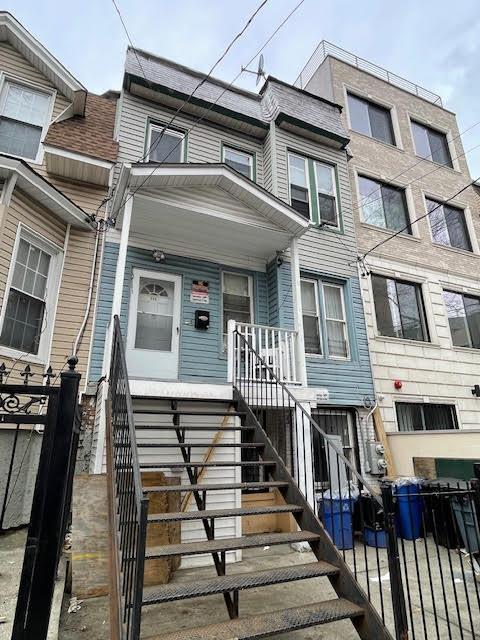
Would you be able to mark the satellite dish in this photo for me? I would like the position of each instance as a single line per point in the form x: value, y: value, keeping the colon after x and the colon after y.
x: 260, y: 69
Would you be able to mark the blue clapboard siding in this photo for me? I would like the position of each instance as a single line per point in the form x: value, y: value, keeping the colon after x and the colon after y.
x: 348, y: 382
x: 201, y: 356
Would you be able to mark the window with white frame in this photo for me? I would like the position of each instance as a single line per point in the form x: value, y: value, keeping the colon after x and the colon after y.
x: 237, y: 299
x: 448, y: 225
x: 299, y: 189
x: 327, y: 319
x: 23, y: 116
x: 425, y: 416
x: 326, y: 194
x: 25, y: 313
x: 241, y: 161
x: 311, y: 316
x: 165, y: 145
x: 431, y: 144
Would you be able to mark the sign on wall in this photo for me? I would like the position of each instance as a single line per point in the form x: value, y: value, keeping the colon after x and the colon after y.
x: 199, y: 293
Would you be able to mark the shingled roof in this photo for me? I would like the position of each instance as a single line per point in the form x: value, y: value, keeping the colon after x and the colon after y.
x: 90, y: 135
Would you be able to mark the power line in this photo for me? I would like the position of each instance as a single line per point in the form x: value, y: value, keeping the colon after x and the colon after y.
x: 199, y: 120
x: 440, y: 204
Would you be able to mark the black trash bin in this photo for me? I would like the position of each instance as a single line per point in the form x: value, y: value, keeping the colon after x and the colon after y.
x: 439, y: 515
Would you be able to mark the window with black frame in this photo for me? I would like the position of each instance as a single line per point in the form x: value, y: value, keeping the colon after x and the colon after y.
x: 418, y: 416
x: 370, y: 118
x: 399, y: 309
x: 448, y: 225
x: 431, y: 144
x: 383, y: 205
x: 463, y: 312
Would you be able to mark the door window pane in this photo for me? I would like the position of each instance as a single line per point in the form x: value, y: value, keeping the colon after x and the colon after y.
x: 448, y: 225
x: 431, y: 144
x: 336, y: 423
x: 167, y: 147
x: 370, y: 119
x: 311, y: 321
x: 399, y: 308
x: 155, y: 315
x: 239, y: 160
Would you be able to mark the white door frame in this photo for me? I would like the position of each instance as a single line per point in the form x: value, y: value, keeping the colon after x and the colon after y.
x: 133, y: 306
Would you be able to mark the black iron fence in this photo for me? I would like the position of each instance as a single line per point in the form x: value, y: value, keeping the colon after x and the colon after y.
x: 53, y: 409
x: 130, y: 506
x: 390, y: 536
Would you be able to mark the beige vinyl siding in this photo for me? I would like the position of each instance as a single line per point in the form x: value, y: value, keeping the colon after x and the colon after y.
x: 204, y: 142
x: 321, y: 246
x: 12, y: 62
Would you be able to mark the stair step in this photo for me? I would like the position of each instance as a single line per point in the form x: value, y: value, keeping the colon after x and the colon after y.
x: 266, y: 624
x: 190, y: 427
x: 223, y: 513
x: 200, y: 445
x: 230, y: 544
x: 180, y: 399
x: 275, y: 484
x: 189, y: 412
x: 251, y: 580
x: 173, y: 465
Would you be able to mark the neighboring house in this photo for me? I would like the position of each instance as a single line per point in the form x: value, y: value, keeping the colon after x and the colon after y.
x: 56, y: 156
x: 422, y: 297
x: 220, y: 217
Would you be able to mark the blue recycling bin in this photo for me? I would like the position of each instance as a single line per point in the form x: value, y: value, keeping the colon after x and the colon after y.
x: 336, y: 515
x: 409, y: 510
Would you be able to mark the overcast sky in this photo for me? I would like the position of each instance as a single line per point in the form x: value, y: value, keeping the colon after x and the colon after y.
x: 434, y: 43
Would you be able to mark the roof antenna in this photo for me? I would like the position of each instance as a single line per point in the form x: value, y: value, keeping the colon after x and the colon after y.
x: 260, y: 72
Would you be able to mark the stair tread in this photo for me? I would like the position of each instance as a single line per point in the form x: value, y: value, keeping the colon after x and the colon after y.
x: 192, y: 427
x: 203, y: 399
x: 222, y: 513
x: 229, y: 463
x: 216, y: 487
x: 238, y: 582
x: 195, y: 445
x: 189, y: 412
x: 265, y: 624
x: 230, y: 544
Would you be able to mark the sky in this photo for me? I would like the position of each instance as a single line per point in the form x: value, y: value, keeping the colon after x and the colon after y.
x: 433, y: 43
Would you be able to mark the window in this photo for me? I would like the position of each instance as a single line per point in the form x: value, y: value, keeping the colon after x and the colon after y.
x: 299, y: 191
x: 237, y: 299
x: 463, y: 312
x: 326, y: 194
x: 165, y: 145
x: 311, y: 316
x: 370, y: 119
x: 383, y: 205
x: 416, y: 416
x: 333, y: 319
x: 448, y: 225
x: 23, y: 115
x: 431, y: 144
x: 25, y: 314
x: 338, y: 424
x: 239, y: 160
x: 399, y: 309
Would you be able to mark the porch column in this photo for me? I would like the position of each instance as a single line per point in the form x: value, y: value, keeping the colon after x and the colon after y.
x: 297, y: 313
x: 304, y: 448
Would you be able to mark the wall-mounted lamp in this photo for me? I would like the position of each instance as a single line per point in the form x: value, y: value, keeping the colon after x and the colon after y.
x: 279, y: 258
x: 158, y: 255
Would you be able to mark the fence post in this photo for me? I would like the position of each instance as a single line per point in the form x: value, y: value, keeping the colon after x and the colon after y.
x: 476, y: 489
x: 396, y: 582
x: 39, y: 570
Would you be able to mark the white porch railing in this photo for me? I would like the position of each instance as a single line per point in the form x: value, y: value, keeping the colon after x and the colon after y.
x: 277, y: 347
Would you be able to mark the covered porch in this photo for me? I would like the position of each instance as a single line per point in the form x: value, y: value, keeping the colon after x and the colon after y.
x: 197, y: 249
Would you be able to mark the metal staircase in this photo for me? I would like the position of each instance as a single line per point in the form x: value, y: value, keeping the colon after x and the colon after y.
x: 351, y: 602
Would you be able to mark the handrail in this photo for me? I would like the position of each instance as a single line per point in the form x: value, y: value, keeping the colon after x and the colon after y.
x: 313, y: 422
x: 265, y: 326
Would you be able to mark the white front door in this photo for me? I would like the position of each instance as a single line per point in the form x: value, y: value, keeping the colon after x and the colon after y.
x: 154, y: 325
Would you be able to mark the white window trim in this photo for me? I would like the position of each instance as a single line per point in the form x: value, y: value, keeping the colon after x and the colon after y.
x: 52, y: 291
x: 446, y: 132
x: 153, y: 126
x: 316, y: 284
x: 397, y: 138
x: 344, y: 321
x: 426, y: 400
x: 305, y: 160
x: 335, y: 193
x: 250, y: 293
x: 52, y: 93
x: 249, y: 154
x: 472, y: 236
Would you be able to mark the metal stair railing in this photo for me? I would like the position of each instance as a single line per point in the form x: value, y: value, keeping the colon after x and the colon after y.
x: 323, y: 474
x: 129, y: 504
